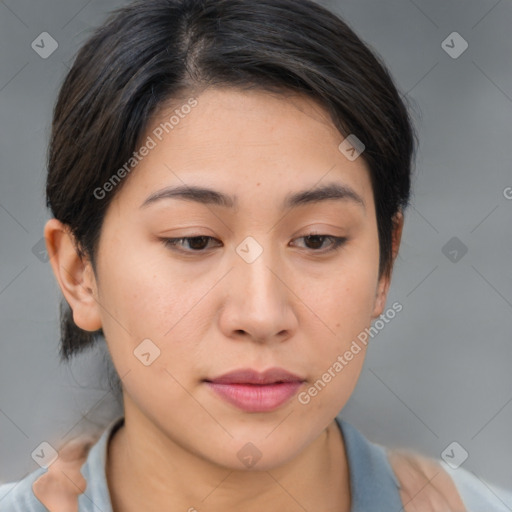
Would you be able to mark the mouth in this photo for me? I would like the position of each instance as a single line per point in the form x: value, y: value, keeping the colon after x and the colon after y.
x: 253, y: 391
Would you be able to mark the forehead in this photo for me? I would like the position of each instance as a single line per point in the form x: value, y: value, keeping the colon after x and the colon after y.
x: 244, y: 142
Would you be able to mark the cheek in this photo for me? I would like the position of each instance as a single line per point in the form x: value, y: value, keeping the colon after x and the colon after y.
x: 336, y: 355
x: 345, y: 297
x: 153, y: 337
x: 143, y: 290
x: 157, y: 299
x: 343, y: 306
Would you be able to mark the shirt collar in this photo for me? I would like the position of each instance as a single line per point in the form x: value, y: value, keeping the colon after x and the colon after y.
x: 96, y: 496
x: 373, y: 484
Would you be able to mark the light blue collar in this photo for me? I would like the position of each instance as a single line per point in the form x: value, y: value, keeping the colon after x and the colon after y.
x: 373, y: 484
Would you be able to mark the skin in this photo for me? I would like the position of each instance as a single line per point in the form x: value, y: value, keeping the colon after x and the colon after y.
x: 296, y: 306
x: 424, y: 485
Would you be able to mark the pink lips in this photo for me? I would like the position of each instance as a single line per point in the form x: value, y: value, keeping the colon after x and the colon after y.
x: 253, y: 391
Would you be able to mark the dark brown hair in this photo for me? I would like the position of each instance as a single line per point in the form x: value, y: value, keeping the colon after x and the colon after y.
x: 155, y: 51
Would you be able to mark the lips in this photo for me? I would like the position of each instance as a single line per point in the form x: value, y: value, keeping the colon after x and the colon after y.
x: 253, y: 391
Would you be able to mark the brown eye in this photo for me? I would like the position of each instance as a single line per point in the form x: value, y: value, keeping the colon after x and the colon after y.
x: 195, y: 243
x: 315, y: 242
x: 198, y: 242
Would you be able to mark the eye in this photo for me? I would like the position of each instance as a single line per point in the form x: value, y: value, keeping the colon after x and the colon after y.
x: 316, y: 241
x: 196, y: 243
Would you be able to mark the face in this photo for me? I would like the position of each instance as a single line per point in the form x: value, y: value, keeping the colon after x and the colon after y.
x: 261, y: 274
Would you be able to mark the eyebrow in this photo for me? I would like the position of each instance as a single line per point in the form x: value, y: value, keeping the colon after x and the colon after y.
x: 331, y: 191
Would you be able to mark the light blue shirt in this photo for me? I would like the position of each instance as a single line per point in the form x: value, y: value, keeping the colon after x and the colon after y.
x: 374, y: 486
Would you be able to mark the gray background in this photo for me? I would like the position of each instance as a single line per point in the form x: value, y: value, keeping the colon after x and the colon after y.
x: 439, y: 372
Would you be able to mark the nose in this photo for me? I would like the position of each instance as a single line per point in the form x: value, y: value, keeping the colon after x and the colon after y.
x: 259, y: 302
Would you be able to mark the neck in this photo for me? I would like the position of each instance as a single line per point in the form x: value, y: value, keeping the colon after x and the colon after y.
x: 148, y: 471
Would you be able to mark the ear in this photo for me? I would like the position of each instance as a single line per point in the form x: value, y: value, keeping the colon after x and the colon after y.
x: 74, y: 275
x: 385, y: 279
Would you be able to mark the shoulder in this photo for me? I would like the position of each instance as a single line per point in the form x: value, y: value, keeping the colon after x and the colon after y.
x: 18, y: 496
x: 55, y: 488
x: 428, y: 484
x: 479, y: 494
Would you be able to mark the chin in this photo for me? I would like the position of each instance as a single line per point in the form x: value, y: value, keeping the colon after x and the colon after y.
x: 260, y: 449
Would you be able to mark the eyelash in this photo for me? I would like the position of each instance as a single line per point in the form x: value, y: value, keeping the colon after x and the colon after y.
x: 171, y: 243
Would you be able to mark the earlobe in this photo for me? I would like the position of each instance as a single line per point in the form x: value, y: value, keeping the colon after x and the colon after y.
x: 385, y: 280
x: 74, y: 275
x: 381, y: 296
x: 398, y: 225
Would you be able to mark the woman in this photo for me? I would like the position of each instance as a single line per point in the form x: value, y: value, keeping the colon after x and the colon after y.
x: 228, y: 181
